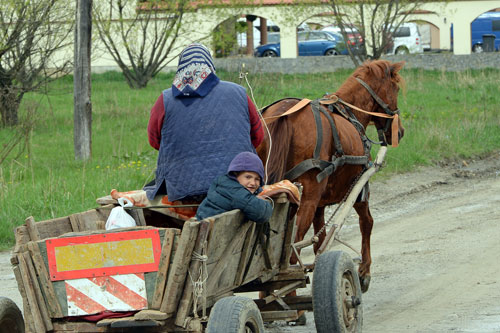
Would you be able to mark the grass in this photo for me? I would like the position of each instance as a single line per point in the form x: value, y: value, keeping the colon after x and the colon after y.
x: 447, y: 115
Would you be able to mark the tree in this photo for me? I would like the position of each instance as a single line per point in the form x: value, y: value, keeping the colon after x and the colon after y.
x: 31, y: 32
x: 139, y: 35
x: 375, y: 20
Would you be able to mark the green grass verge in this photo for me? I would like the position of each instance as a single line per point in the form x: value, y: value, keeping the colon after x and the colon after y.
x: 446, y: 115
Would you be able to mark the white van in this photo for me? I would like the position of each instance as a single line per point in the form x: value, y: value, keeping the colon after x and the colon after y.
x: 407, y: 39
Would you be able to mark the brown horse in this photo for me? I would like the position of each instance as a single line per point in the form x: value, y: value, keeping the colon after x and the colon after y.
x: 334, y: 158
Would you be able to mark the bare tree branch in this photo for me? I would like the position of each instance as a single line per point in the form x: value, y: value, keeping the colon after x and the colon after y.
x: 139, y: 35
x: 375, y: 21
x: 31, y: 33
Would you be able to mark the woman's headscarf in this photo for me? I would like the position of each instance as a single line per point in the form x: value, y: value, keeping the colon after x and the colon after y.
x: 195, y: 75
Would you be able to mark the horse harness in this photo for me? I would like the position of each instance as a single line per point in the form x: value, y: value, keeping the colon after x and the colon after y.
x: 339, y: 158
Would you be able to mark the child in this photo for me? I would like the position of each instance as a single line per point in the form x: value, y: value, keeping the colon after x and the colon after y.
x: 238, y: 189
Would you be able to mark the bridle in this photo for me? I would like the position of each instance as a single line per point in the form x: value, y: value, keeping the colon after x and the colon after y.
x: 391, y: 116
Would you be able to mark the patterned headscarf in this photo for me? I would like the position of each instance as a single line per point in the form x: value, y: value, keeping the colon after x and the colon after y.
x: 195, y: 75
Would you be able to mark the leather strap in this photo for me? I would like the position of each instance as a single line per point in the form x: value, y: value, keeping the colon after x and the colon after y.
x: 299, y: 106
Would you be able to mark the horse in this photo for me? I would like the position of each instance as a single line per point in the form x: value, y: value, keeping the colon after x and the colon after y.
x: 306, y: 148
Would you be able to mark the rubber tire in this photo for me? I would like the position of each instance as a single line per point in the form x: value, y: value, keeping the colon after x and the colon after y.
x: 269, y: 54
x: 478, y: 48
x: 11, y: 318
x: 235, y: 314
x: 331, y: 52
x: 334, y: 275
x: 402, y: 50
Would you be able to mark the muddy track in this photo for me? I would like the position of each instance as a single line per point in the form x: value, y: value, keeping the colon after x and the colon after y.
x: 435, y: 251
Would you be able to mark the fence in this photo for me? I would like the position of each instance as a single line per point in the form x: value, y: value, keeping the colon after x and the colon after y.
x: 430, y: 61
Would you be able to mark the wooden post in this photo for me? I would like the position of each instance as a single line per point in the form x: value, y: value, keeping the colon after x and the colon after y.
x: 351, y: 199
x: 176, y: 278
x: 161, y: 276
x: 82, y: 115
x: 186, y: 301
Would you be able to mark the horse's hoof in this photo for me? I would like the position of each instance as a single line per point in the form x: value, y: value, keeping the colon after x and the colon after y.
x: 301, y: 321
x: 365, y: 283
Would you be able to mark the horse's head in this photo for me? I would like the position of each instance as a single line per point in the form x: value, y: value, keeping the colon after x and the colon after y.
x: 380, y: 81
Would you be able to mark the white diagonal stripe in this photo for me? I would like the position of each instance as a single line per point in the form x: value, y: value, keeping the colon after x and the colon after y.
x: 99, y: 295
x: 133, y: 282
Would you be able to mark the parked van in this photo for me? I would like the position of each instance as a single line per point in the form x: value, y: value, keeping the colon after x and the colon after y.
x: 407, y: 39
x: 485, y: 24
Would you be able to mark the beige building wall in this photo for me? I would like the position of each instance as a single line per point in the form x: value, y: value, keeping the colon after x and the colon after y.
x: 199, y: 25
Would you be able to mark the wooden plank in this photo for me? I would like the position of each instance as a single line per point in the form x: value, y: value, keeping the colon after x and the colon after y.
x: 38, y: 322
x: 216, y: 271
x: 161, y: 277
x: 267, y: 249
x: 54, y: 227
x: 245, y: 254
x: 32, y: 230
x: 75, y: 226
x: 22, y: 237
x: 150, y: 315
x: 28, y: 317
x: 38, y: 292
x: 106, y: 200
x: 78, y: 327
x: 177, y: 277
x: 288, y: 239
x: 53, y: 306
x: 138, y: 216
x: 293, y: 302
x: 194, y: 272
x: 104, y: 211
x: 268, y: 286
x: 282, y: 291
x: 279, y: 315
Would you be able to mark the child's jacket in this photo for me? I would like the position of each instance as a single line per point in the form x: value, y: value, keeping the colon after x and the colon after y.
x: 226, y: 194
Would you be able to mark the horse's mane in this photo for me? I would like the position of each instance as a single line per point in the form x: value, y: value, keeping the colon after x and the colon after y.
x: 376, y: 70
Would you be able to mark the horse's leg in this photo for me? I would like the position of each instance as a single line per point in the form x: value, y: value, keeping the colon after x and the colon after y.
x: 365, y: 225
x: 304, y: 219
x: 318, y: 223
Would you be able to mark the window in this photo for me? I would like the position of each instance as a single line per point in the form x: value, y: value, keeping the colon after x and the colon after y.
x: 316, y: 36
x: 495, y: 25
x: 402, y: 32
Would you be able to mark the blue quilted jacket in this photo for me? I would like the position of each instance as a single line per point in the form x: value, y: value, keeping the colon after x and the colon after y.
x: 226, y: 194
x: 199, y: 140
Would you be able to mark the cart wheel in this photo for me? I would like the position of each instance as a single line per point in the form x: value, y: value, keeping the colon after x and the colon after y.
x: 235, y: 314
x: 11, y: 318
x: 336, y: 294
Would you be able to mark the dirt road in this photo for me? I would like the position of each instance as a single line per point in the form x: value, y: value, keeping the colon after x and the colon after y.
x: 435, y: 250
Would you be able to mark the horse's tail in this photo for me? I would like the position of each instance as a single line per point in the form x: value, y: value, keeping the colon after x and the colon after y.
x: 281, y: 134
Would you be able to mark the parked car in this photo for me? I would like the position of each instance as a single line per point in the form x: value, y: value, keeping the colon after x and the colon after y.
x: 486, y: 24
x: 406, y: 39
x: 310, y: 43
x: 355, y: 40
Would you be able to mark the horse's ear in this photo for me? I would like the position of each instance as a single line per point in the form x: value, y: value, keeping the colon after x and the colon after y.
x: 396, y: 67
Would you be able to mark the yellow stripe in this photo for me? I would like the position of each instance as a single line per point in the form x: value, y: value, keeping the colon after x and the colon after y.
x: 106, y: 254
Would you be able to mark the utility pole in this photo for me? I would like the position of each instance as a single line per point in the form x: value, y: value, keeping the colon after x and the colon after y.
x: 82, y: 114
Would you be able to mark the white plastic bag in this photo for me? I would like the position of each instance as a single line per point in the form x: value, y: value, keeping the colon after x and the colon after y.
x: 119, y: 218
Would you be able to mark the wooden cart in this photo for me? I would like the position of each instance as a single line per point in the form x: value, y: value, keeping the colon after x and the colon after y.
x: 172, y: 275
x: 178, y: 270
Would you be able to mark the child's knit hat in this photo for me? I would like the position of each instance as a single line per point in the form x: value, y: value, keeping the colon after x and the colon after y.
x: 247, y: 161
